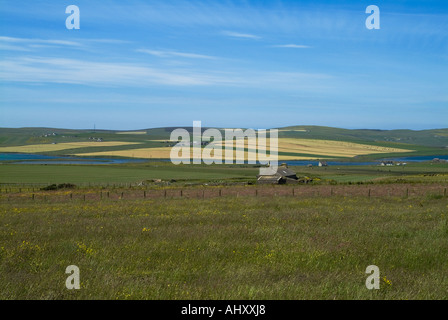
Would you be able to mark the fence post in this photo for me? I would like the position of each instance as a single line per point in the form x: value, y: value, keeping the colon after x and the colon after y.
x: 144, y: 193
x: 220, y: 192
x: 369, y: 192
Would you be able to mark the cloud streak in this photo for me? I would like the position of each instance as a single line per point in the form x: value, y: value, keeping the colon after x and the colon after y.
x: 295, y: 46
x: 241, y: 35
x: 39, y: 41
x: 31, y: 44
x: 71, y: 71
x: 169, y: 54
x: 41, y: 70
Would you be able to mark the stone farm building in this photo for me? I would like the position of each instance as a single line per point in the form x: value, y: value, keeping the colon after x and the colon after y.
x: 282, y: 176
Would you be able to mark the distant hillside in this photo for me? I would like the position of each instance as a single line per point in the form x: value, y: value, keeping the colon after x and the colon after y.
x: 295, y: 142
x: 430, y: 138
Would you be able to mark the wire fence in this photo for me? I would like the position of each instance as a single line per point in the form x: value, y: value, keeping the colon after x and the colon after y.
x: 126, y: 192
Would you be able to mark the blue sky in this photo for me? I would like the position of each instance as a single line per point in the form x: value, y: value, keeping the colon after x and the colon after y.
x: 259, y: 64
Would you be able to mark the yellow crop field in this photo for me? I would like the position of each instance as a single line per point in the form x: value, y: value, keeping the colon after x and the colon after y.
x: 131, y: 132
x: 332, y: 148
x: 293, y: 130
x: 143, y: 153
x: 164, y: 153
x: 314, y: 148
x: 321, y: 147
x: 36, y: 148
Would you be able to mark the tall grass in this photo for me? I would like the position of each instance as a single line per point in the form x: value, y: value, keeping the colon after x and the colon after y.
x: 226, y: 248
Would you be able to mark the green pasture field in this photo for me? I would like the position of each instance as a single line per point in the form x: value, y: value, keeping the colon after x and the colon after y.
x: 225, y: 248
x: 129, y: 173
x: 134, y: 173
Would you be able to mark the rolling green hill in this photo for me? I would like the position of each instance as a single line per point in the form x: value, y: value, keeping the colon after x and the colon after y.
x: 429, y: 138
x: 75, y: 142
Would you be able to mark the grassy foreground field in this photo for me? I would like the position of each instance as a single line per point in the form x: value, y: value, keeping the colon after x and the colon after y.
x: 225, y: 247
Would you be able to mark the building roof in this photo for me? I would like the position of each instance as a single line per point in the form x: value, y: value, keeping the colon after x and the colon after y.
x: 282, y: 171
x: 285, y: 172
x: 273, y: 178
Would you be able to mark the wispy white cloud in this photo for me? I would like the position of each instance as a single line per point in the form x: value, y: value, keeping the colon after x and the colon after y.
x: 41, y: 70
x: 39, y: 41
x: 241, y: 35
x: 168, y: 54
x: 71, y: 71
x: 108, y: 41
x: 29, y: 44
x: 297, y: 46
x: 10, y: 47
